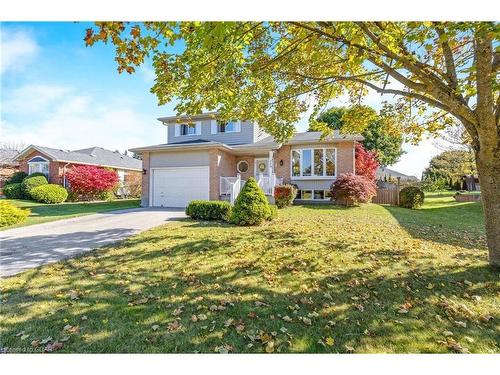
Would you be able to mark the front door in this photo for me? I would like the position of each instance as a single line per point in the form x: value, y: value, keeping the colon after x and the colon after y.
x: 261, y: 167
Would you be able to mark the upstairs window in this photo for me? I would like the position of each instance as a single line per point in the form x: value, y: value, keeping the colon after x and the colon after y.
x: 227, y: 126
x: 313, y: 162
x: 188, y: 129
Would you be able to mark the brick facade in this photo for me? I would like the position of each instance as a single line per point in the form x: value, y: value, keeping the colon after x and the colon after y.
x: 222, y: 163
x: 145, y: 180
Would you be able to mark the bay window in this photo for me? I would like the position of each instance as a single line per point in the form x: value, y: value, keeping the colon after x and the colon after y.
x: 314, y: 162
x: 38, y: 165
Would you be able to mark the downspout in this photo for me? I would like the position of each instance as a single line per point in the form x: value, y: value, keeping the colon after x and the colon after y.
x: 64, y: 174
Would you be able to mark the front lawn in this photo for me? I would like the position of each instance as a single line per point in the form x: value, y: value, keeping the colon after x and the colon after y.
x: 42, y: 213
x: 319, y: 279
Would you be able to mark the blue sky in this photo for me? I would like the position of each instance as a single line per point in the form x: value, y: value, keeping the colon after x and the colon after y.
x: 58, y: 93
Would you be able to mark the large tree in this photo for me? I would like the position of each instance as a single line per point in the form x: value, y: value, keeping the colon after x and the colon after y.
x: 379, y: 135
x: 441, y: 73
x: 450, y: 166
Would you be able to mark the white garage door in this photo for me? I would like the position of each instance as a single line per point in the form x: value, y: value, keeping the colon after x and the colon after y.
x: 176, y: 187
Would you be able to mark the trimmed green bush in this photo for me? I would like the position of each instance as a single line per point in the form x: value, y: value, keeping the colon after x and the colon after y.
x: 31, y: 183
x: 50, y: 193
x: 251, y: 206
x: 16, y: 178
x: 13, y: 191
x: 411, y: 197
x: 10, y: 214
x: 37, y: 174
x: 273, y: 209
x: 284, y: 195
x: 209, y: 210
x: 107, y: 196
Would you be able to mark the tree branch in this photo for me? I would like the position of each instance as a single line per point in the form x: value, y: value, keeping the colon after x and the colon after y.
x: 451, y: 72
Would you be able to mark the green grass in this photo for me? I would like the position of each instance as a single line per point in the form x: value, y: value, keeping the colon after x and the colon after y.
x: 42, y: 213
x: 374, y: 279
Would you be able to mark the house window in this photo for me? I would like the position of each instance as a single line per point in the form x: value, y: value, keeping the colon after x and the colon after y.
x: 242, y: 166
x: 188, y: 129
x: 38, y: 165
x: 314, y: 162
x: 316, y: 195
x: 226, y: 127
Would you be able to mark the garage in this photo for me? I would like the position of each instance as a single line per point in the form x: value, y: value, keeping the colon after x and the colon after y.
x: 177, y: 186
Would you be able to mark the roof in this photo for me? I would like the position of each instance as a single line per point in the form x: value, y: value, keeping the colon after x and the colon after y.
x: 93, y: 156
x: 8, y: 157
x: 173, y: 119
x: 267, y: 143
x: 384, y: 171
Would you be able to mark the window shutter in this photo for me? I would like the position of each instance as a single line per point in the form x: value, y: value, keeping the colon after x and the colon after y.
x: 237, y: 126
x: 177, y: 130
x: 198, y: 128
x: 213, y: 125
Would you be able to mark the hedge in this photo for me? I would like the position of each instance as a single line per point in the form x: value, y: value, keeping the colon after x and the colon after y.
x: 251, y: 206
x: 16, y: 178
x: 10, y: 214
x: 13, y: 191
x: 209, y: 210
x: 30, y: 183
x: 411, y: 197
x: 49, y: 193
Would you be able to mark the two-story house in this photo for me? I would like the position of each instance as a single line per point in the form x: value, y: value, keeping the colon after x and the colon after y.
x: 205, y: 158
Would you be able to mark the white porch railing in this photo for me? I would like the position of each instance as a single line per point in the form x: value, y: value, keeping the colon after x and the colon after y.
x: 231, y: 186
x: 267, y: 183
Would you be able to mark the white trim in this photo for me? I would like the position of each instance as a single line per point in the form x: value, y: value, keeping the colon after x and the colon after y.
x: 237, y: 126
x: 177, y: 130
x: 38, y: 156
x: 312, y: 176
x: 238, y: 166
x: 213, y: 127
x: 198, y: 128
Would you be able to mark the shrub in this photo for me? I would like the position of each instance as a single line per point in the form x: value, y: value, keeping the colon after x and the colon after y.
x: 88, y: 182
x: 107, y: 195
x: 284, y: 195
x: 133, y: 185
x: 273, y: 210
x: 209, y: 210
x: 50, y: 193
x: 16, y: 178
x: 37, y: 174
x: 10, y: 214
x: 13, y: 191
x: 411, y: 197
x: 350, y: 189
x: 32, y: 182
x: 251, y: 206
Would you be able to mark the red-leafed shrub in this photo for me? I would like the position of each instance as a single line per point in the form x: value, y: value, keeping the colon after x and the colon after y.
x: 90, y: 182
x: 284, y: 195
x: 366, y: 162
x: 350, y: 189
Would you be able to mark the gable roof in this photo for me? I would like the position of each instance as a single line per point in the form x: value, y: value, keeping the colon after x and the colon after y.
x: 92, y: 156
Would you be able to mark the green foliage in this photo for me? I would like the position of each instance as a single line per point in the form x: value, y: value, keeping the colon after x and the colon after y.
x: 273, y: 210
x: 32, y: 182
x: 107, y: 195
x: 10, y: 214
x: 209, y: 210
x: 50, y: 193
x: 36, y: 174
x: 284, y: 195
x: 380, y: 134
x: 16, y: 178
x: 13, y: 191
x: 411, y: 197
x: 251, y: 206
x: 446, y: 170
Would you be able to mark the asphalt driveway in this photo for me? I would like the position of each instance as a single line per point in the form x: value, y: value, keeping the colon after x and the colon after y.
x: 32, y: 246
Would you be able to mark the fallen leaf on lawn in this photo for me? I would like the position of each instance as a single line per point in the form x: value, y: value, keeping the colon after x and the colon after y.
x: 194, y: 318
x: 329, y: 341
x: 270, y: 347
x: 467, y: 282
x: 64, y: 338
x: 70, y: 328
x: 461, y: 324
x: 224, y: 349
x: 476, y: 298
x: 84, y: 317
x: 403, y: 311
x: 306, y: 321
x: 313, y: 314
x: 174, y: 326
x: 252, y: 315
x: 177, y: 311
x: 202, y: 317
x: 430, y: 286
x: 447, y: 333
x: 46, y: 340
x: 74, y: 295
x: 35, y: 343
x: 485, y: 318
x: 259, y: 303
x: 469, y: 339
x: 349, y: 349
x: 240, y: 327
x: 455, y: 346
x: 228, y: 322
x: 19, y: 334
x: 283, y: 329
x: 54, y: 347
x: 155, y: 327
x: 287, y: 319
x: 140, y: 301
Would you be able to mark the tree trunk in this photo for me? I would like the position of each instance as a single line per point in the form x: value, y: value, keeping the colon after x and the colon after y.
x: 489, y: 178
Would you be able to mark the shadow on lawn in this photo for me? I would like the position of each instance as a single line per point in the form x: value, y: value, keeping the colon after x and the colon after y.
x: 351, y: 305
x: 458, y: 225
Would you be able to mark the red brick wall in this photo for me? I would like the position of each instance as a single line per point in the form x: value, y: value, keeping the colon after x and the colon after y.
x: 53, y: 166
x: 251, y: 167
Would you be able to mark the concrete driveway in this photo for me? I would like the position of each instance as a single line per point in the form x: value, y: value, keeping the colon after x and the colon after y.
x: 31, y: 246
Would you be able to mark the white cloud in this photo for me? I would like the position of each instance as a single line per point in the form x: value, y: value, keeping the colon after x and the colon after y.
x: 32, y: 98
x: 75, y: 121
x: 18, y: 50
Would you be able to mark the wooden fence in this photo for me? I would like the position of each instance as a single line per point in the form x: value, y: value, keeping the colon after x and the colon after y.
x: 387, y: 196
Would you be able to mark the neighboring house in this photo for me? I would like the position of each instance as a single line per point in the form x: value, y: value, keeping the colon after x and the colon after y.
x: 388, y: 177
x: 8, y: 164
x: 54, y: 163
x: 209, y: 159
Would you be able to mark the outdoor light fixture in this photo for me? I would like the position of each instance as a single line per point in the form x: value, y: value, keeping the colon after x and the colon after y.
x: 281, y: 162
x: 144, y: 171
